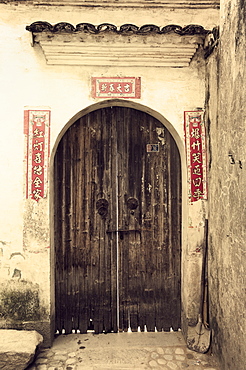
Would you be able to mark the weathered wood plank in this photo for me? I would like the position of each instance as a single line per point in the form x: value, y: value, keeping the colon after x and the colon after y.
x: 57, y: 236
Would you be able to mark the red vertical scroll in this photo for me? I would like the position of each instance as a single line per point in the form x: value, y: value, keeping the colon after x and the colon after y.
x: 196, y: 154
x: 37, y: 131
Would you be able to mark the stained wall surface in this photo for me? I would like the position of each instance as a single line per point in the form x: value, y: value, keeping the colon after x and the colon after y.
x: 26, y: 254
x: 226, y: 97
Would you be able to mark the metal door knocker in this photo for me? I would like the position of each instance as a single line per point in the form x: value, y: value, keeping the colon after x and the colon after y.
x: 102, y: 207
x: 132, y: 203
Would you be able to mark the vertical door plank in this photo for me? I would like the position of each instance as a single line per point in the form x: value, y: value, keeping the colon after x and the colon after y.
x: 121, y: 238
x: 175, y: 174
x: 75, y: 195
x: 82, y: 206
x: 58, y: 175
x: 106, y: 190
x: 94, y: 278
x: 113, y: 220
x: 134, y: 154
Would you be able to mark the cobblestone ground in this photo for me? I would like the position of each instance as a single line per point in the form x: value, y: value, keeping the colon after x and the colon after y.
x: 122, y: 357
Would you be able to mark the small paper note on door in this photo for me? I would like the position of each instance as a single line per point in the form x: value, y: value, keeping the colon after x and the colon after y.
x: 152, y: 148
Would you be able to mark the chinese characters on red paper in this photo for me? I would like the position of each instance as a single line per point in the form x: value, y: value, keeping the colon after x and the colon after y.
x: 117, y: 87
x: 196, y: 155
x: 37, y: 126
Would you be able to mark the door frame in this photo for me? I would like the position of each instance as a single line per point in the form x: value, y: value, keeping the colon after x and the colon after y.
x: 184, y: 218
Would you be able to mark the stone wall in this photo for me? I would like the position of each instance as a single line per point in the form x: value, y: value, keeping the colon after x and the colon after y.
x: 226, y: 119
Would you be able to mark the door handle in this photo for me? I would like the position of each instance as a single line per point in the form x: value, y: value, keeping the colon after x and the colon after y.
x: 128, y: 230
x: 122, y: 230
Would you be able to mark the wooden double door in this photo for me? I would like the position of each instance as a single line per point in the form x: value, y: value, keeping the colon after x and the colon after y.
x: 117, y: 214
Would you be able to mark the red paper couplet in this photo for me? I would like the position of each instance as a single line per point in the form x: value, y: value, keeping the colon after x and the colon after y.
x: 196, y: 154
x: 37, y: 131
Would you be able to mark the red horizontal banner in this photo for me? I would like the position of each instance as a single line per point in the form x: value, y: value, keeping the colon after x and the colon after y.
x: 116, y: 87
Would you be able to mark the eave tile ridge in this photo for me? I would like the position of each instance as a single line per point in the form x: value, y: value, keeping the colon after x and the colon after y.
x: 126, y: 45
x: 128, y: 29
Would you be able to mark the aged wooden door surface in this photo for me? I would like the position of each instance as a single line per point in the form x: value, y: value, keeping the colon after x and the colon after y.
x: 117, y: 213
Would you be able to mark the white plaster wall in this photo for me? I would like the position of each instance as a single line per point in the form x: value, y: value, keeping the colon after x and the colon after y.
x: 26, y: 80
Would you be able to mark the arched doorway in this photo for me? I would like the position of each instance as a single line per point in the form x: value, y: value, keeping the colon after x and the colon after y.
x: 117, y: 226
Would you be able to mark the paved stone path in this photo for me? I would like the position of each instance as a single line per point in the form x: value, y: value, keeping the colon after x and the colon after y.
x: 123, y: 351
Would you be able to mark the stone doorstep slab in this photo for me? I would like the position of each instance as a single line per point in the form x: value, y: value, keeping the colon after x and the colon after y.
x: 126, y: 340
x: 18, y: 348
